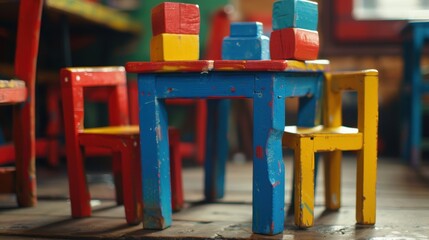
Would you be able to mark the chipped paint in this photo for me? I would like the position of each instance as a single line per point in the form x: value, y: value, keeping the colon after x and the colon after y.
x: 259, y: 152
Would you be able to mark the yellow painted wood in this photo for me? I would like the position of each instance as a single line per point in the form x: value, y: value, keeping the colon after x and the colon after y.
x: 367, y: 157
x: 96, y: 13
x: 304, y: 186
x: 332, y: 137
x: 332, y: 173
x: 12, y: 84
x: 174, y: 47
x: 325, y: 139
x: 131, y: 129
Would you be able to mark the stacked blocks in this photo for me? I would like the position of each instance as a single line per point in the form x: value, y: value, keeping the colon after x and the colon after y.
x: 295, y: 33
x: 246, y: 42
x: 175, y: 28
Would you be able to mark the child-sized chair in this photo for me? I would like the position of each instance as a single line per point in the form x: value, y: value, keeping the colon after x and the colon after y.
x: 21, y: 179
x: 333, y: 138
x: 120, y: 137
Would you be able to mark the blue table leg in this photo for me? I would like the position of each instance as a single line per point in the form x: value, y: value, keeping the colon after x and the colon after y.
x: 268, y: 166
x: 216, y: 149
x: 155, y: 163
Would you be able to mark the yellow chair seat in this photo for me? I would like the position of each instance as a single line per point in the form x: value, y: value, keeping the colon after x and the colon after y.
x: 113, y: 130
x: 324, y: 139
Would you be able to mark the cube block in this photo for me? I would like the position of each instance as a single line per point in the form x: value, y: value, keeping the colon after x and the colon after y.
x: 294, y: 43
x: 174, y: 47
x: 246, y: 48
x: 176, y: 18
x: 246, y: 29
x: 295, y: 14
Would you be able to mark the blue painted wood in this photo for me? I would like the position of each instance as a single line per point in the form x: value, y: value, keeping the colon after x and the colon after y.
x: 246, y: 42
x: 295, y: 14
x: 154, y: 135
x: 246, y: 29
x: 268, y: 167
x: 267, y: 89
x: 216, y: 148
x: 415, y: 36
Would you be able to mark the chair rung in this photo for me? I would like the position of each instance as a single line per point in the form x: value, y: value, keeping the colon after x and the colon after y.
x: 126, y: 130
x: 7, y: 180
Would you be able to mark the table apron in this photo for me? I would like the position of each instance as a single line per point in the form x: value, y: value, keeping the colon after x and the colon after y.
x: 230, y: 84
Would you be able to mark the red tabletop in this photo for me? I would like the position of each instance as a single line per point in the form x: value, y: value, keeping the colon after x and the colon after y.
x: 227, y: 65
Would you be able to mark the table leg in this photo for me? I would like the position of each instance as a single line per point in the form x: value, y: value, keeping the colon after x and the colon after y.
x: 154, y: 157
x: 216, y: 148
x: 268, y: 166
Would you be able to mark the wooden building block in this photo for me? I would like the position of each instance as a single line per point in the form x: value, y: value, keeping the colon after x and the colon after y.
x: 246, y: 29
x: 177, y: 18
x: 295, y: 14
x: 246, y: 42
x: 174, y: 47
x: 294, y: 43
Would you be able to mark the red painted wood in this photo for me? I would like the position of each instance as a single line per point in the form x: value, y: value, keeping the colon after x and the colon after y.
x: 7, y: 155
x: 23, y: 181
x: 294, y: 43
x: 13, y: 95
x: 226, y: 65
x: 175, y: 169
x: 269, y: 65
x: 173, y: 66
x: 124, y: 147
x: 176, y: 18
x: 347, y: 29
x: 7, y: 179
x: 219, y: 29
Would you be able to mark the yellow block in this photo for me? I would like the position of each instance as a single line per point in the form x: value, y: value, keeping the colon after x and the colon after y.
x: 174, y: 47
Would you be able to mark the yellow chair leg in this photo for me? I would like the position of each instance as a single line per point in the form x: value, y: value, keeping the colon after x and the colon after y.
x: 332, y: 167
x: 367, y: 157
x: 304, y: 186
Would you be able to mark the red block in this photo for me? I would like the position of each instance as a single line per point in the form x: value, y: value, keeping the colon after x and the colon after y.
x: 177, y: 18
x: 294, y: 43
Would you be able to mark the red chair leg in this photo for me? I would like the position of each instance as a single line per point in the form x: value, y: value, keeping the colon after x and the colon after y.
x: 53, y: 126
x: 79, y: 192
x: 131, y: 186
x: 117, y: 167
x: 200, y: 130
x: 176, y: 170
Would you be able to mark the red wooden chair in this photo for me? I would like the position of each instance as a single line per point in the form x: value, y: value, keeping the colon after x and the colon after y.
x: 21, y: 179
x: 119, y: 137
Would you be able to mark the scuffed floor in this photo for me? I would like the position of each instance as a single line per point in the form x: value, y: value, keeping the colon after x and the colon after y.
x: 402, y: 209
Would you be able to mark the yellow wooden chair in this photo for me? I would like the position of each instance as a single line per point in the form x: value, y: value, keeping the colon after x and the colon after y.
x: 333, y: 138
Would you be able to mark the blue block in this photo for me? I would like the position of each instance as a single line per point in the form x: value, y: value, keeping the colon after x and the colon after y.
x: 246, y: 29
x: 295, y: 14
x: 242, y: 48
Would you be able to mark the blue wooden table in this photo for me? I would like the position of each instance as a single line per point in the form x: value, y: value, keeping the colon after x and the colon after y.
x: 416, y: 34
x: 268, y: 83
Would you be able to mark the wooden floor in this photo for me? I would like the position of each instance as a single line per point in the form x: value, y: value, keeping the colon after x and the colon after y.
x: 402, y: 209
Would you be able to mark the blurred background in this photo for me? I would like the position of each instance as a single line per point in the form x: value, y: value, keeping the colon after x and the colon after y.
x: 354, y: 34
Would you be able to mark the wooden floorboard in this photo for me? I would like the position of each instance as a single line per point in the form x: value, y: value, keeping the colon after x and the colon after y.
x: 402, y: 209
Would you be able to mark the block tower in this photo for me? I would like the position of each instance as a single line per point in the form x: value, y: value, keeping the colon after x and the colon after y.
x: 175, y: 28
x: 294, y: 33
x: 246, y: 42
